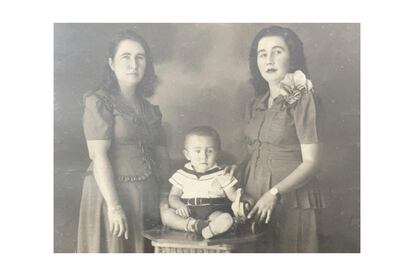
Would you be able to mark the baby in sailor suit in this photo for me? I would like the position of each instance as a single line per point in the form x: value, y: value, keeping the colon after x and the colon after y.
x: 202, y: 193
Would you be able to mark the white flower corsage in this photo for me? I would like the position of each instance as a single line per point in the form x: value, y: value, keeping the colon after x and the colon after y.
x: 294, y: 85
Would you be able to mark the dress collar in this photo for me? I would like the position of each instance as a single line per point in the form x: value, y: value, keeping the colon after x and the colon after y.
x: 190, y: 169
x: 261, y: 104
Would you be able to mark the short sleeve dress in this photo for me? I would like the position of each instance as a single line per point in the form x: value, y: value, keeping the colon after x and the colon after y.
x: 133, y: 135
x: 274, y: 137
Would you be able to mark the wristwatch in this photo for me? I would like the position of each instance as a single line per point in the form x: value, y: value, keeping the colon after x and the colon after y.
x: 274, y: 191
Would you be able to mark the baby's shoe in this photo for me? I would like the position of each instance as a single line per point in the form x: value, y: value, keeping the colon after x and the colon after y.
x: 195, y: 225
x: 217, y: 226
x: 199, y: 225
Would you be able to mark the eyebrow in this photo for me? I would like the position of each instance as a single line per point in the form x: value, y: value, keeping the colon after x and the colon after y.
x: 128, y: 54
x: 212, y: 147
x: 274, y: 47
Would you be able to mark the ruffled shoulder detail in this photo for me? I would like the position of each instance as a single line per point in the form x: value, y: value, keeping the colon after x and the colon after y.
x: 97, y: 116
x: 306, y: 116
x: 98, y: 97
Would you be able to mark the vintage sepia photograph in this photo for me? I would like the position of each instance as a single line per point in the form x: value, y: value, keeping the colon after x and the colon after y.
x: 206, y: 137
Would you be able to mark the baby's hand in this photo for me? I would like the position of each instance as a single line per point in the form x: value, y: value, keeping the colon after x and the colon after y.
x: 183, y: 211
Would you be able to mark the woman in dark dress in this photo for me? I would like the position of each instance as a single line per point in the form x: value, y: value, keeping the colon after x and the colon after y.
x: 284, y: 143
x: 127, y: 147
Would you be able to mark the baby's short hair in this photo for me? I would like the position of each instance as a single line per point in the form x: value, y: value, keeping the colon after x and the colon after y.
x: 206, y: 131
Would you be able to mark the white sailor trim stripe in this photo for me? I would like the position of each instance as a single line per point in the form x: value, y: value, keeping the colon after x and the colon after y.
x: 210, y: 185
x: 186, y: 174
x: 175, y: 183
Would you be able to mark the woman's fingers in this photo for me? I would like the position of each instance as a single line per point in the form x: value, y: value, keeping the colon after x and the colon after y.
x: 230, y: 170
x: 226, y: 169
x: 122, y: 227
x: 256, y: 217
x: 118, y: 225
x: 262, y: 216
x: 121, y: 230
x: 116, y: 229
x: 268, y: 213
x: 111, y: 227
x: 253, y: 212
x: 126, y: 229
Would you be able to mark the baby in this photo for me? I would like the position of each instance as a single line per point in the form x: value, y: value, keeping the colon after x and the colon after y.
x: 201, y: 192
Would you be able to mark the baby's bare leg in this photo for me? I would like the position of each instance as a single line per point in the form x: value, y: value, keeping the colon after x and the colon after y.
x: 220, y: 223
x: 214, y: 215
x: 171, y: 219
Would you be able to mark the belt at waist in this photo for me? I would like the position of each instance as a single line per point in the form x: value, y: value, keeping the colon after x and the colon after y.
x: 206, y: 201
x: 128, y: 178
x: 269, y: 151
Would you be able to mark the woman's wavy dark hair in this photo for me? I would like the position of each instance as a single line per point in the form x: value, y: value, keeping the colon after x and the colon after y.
x: 146, y: 86
x: 296, y: 62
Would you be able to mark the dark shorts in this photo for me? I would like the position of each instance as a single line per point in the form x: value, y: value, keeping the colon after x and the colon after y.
x: 202, y: 212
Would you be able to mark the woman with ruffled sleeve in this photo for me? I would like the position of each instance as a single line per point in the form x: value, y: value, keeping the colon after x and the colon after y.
x: 127, y: 147
x: 284, y: 143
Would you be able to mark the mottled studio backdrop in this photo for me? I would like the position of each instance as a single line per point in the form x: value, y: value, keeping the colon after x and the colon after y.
x: 204, y: 79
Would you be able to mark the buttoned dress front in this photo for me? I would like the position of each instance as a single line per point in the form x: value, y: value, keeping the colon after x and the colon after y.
x: 274, y: 137
x: 133, y: 135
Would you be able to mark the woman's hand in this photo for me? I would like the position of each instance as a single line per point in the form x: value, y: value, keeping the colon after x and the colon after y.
x: 230, y: 170
x: 118, y: 225
x: 183, y: 211
x: 263, y: 209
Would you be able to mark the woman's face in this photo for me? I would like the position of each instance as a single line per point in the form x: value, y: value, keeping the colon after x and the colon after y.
x: 129, y: 62
x: 273, y: 58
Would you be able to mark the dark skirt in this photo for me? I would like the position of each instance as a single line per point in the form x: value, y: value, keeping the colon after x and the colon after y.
x: 293, y: 227
x: 140, y: 202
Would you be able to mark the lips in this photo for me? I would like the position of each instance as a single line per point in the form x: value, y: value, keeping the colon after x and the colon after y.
x: 271, y: 70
